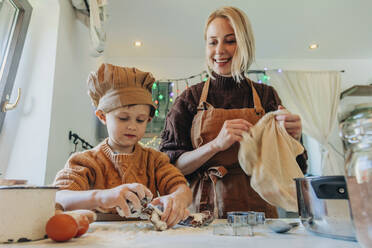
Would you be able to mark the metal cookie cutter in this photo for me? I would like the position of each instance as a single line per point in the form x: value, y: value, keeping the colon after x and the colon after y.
x: 240, y: 223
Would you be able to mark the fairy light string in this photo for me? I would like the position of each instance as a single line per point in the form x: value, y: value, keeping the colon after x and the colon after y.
x: 165, y: 92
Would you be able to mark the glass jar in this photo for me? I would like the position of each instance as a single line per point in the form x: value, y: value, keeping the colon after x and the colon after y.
x: 356, y: 131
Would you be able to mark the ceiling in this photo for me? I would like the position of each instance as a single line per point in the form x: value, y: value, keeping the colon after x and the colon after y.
x: 283, y: 28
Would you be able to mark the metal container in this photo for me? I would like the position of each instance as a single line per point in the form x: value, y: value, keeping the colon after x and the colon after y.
x: 323, y: 206
x: 356, y: 133
x: 24, y: 212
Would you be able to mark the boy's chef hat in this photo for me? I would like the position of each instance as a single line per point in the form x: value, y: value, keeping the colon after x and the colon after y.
x: 112, y: 87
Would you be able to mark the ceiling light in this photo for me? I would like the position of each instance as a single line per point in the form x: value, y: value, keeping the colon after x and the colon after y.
x: 137, y: 43
x: 314, y: 46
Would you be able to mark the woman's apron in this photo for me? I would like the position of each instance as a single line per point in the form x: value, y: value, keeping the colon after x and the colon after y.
x: 220, y: 185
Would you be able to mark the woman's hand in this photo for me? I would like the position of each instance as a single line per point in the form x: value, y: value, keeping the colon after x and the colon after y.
x: 118, y: 196
x: 175, y: 205
x: 230, y: 133
x: 292, y: 123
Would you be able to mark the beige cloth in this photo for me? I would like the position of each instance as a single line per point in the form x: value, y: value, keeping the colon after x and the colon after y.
x: 268, y: 153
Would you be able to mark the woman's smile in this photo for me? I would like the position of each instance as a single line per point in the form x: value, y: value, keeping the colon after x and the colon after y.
x: 222, y: 62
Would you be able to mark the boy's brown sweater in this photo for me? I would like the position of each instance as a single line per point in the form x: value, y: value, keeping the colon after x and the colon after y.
x: 101, y: 168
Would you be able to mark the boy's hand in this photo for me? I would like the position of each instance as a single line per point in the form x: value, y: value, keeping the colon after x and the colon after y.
x: 175, y: 205
x: 118, y: 196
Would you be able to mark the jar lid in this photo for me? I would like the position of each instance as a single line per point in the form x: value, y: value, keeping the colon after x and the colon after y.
x: 354, y: 98
x: 357, y: 90
x: 361, y: 111
x: 357, y: 128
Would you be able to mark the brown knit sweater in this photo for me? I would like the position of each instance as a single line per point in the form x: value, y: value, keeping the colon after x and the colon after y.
x: 225, y: 93
x: 101, y: 168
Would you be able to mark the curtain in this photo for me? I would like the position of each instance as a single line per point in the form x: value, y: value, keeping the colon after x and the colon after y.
x: 93, y: 14
x: 314, y: 95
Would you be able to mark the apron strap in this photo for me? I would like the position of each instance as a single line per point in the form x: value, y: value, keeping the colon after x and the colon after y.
x: 203, y: 98
x: 256, y: 99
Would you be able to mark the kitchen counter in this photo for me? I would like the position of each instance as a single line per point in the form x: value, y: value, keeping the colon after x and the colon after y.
x: 140, y: 234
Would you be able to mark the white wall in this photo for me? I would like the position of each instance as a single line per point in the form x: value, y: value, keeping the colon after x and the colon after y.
x: 71, y: 106
x: 162, y: 68
x: 52, y: 73
x: 24, y: 137
x: 357, y: 71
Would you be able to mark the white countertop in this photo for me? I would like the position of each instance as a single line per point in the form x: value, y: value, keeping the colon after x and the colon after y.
x: 137, y: 234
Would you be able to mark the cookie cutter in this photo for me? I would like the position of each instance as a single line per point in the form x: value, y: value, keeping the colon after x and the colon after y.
x: 240, y: 223
x: 246, y: 217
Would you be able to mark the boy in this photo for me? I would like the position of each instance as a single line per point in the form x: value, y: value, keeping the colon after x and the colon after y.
x: 119, y: 169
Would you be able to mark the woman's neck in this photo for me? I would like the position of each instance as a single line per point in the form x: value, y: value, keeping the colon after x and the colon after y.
x: 224, y: 82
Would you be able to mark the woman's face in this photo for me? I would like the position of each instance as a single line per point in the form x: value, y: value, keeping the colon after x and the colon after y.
x: 221, y: 46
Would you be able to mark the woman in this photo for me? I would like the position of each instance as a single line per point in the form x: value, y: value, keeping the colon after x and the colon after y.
x: 218, y: 112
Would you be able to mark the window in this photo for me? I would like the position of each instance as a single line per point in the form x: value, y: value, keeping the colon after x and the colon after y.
x: 162, y: 96
x: 14, y: 19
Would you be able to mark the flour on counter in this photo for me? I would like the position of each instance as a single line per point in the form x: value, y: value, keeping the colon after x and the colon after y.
x: 133, y: 234
x: 124, y: 234
x: 144, y: 227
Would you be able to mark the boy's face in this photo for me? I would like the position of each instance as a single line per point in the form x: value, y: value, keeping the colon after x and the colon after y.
x: 126, y: 126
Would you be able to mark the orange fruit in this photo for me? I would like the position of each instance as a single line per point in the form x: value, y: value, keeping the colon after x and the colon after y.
x: 82, y: 219
x: 83, y: 225
x: 61, y: 227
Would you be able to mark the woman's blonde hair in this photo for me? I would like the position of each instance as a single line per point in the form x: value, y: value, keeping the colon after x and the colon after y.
x: 245, y: 49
